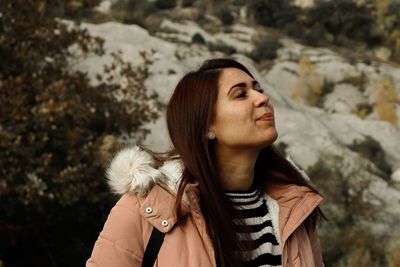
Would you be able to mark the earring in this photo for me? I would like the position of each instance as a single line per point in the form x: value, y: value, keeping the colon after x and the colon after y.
x: 210, y: 135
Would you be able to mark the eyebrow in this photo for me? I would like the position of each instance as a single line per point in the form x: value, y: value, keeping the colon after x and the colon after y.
x: 243, y: 85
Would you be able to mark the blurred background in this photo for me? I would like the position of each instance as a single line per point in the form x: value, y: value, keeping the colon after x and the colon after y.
x: 79, y: 79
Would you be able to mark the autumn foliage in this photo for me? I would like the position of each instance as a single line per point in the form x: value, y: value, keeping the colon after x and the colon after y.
x: 57, y: 131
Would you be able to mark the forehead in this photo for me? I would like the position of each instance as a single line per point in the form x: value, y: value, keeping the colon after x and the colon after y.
x: 232, y: 76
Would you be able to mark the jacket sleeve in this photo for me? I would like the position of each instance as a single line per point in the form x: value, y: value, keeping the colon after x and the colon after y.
x: 120, y: 243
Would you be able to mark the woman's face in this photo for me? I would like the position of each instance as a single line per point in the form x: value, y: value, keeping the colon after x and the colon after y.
x: 238, y: 120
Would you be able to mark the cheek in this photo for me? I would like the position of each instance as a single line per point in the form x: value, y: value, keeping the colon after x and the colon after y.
x: 234, y: 117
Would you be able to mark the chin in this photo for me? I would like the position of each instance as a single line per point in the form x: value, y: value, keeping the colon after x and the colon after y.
x: 270, y: 140
x: 275, y: 137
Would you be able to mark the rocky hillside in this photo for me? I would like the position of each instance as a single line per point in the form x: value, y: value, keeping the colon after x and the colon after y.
x: 337, y: 115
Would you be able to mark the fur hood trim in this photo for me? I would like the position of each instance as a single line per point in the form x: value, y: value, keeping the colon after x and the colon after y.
x: 132, y: 171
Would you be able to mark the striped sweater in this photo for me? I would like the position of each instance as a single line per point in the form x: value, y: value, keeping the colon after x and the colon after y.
x: 263, y: 245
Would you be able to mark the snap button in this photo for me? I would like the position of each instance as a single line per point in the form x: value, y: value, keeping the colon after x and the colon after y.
x: 164, y: 223
x: 149, y: 210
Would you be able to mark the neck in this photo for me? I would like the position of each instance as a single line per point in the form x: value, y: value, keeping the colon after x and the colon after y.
x: 235, y: 167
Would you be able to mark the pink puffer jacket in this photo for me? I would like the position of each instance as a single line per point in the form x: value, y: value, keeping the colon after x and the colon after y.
x: 148, y: 199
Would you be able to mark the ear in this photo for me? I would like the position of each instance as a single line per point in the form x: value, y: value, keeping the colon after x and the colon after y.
x: 211, y: 128
x: 210, y: 135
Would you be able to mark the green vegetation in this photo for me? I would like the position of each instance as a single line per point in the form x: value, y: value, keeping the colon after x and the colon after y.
x: 341, y: 23
x: 58, y: 132
x: 372, y: 150
x: 188, y: 3
x: 265, y: 48
x: 197, y: 38
x: 132, y: 11
x: 348, y: 237
x: 222, y: 47
x: 165, y: 4
x: 272, y: 13
x: 225, y: 15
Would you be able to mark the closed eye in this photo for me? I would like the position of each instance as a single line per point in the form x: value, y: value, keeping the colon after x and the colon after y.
x: 242, y: 94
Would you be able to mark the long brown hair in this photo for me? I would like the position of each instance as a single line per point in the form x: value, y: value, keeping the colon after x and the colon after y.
x: 189, y: 115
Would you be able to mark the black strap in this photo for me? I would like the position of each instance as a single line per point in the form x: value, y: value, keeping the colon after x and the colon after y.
x: 152, y: 248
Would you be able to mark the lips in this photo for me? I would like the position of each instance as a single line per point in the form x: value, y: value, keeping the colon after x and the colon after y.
x: 266, y: 117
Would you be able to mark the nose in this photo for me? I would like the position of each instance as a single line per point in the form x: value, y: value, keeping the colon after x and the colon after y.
x: 261, y: 100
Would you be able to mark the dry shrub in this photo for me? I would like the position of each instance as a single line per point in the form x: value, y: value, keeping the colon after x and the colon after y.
x: 308, y: 87
x: 384, y: 98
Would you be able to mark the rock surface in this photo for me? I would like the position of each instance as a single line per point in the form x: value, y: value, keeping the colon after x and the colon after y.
x: 329, y: 126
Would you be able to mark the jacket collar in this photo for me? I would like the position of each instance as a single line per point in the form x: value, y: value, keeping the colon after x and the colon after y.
x: 295, y: 203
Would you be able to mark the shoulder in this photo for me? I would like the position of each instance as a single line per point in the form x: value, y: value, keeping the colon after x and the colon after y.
x: 123, y: 238
x: 148, y: 190
x: 124, y: 221
x: 134, y: 214
x: 134, y: 176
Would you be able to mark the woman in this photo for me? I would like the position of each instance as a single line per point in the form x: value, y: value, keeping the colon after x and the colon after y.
x: 224, y: 196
